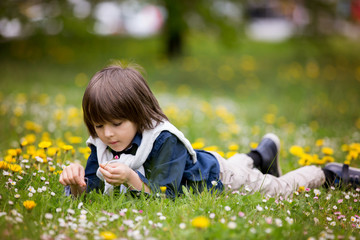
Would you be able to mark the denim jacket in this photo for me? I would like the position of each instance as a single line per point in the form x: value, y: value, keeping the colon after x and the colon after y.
x: 169, y: 164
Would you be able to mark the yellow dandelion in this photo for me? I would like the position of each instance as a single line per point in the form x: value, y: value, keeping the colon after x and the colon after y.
x: 52, y: 151
x: 172, y: 111
x: 253, y: 145
x: 221, y: 111
x: 67, y: 147
x: 29, y: 204
x: 74, y: 139
x: 30, y: 138
x: 32, y: 126
x: 44, y: 144
x: 198, y: 144
x: 248, y: 63
x: 352, y: 155
x: 60, y: 100
x: 4, y: 165
x: 269, y: 118
x: 221, y: 153
x: 10, y: 159
x: 327, y: 151
x: 306, y: 159
x: 44, y: 99
x: 58, y: 114
x: 319, y: 142
x: 15, y: 167
x: 107, y: 235
x: 31, y: 150
x: 211, y: 148
x: 45, y: 136
x: 13, y: 152
x: 345, y: 147
x: 58, y: 172
x: 21, y: 98
x: 84, y: 150
x: 230, y: 154
x: 163, y: 189
x: 201, y: 222
x: 328, y: 159
x: 233, y: 147
x: 315, y: 160
x: 234, y: 128
x: 301, y: 189
x: 40, y: 153
x: 355, y: 147
x: 296, y: 150
x: 24, y: 143
x: 18, y: 111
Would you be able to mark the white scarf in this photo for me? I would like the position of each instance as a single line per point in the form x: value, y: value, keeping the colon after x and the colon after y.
x: 136, y: 161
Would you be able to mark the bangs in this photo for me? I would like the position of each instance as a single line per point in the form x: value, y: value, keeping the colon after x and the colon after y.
x: 103, y: 106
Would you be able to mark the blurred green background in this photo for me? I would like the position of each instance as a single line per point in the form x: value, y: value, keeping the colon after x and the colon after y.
x: 298, y: 61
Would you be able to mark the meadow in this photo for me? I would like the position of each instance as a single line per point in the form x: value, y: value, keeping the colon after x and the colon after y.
x: 223, y: 100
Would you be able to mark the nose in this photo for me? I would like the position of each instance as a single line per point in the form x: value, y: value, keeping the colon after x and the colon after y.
x: 108, y: 131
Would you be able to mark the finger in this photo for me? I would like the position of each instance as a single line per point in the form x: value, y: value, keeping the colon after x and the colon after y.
x: 61, y: 180
x: 77, y: 175
x: 105, y: 166
x: 65, y: 177
x: 105, y: 173
x: 70, y: 176
x: 82, y: 177
x: 78, y: 180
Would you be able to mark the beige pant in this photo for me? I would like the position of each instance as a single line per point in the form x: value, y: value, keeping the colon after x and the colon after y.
x: 238, y: 172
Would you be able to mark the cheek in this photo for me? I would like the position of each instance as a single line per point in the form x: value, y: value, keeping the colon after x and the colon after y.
x: 98, y: 133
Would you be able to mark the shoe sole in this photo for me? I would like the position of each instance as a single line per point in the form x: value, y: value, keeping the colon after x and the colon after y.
x: 276, y: 140
x: 341, y: 165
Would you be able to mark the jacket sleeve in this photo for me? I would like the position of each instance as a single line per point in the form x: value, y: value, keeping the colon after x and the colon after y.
x: 93, y: 182
x: 166, y: 163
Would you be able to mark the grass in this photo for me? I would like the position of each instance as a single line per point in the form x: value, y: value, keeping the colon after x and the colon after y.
x: 222, y: 99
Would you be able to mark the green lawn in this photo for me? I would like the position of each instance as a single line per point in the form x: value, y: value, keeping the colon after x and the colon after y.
x: 222, y: 99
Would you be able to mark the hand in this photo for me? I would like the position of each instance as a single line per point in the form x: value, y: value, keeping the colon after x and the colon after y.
x: 73, y: 176
x: 115, y: 173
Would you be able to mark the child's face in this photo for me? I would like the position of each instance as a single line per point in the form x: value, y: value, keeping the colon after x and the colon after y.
x: 116, y: 134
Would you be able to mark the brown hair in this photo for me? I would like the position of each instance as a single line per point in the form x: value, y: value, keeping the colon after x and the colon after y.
x: 118, y: 92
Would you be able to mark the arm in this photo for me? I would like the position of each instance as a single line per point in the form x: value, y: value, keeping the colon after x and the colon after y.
x: 166, y: 164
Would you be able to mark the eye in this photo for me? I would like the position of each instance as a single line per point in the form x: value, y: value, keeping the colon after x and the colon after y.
x: 116, y: 124
x: 98, y: 126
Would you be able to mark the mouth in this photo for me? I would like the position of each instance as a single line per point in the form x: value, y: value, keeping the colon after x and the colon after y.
x: 113, y: 143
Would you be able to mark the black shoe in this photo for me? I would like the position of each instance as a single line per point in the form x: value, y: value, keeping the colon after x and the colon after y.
x: 341, y: 175
x: 268, y: 149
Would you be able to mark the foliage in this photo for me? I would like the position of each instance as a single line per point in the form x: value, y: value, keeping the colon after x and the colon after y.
x: 33, y: 204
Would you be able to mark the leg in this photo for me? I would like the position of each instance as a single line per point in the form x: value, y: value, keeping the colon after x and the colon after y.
x: 236, y: 175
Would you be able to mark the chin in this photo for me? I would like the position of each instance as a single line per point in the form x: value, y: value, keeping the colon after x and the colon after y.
x: 118, y: 149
